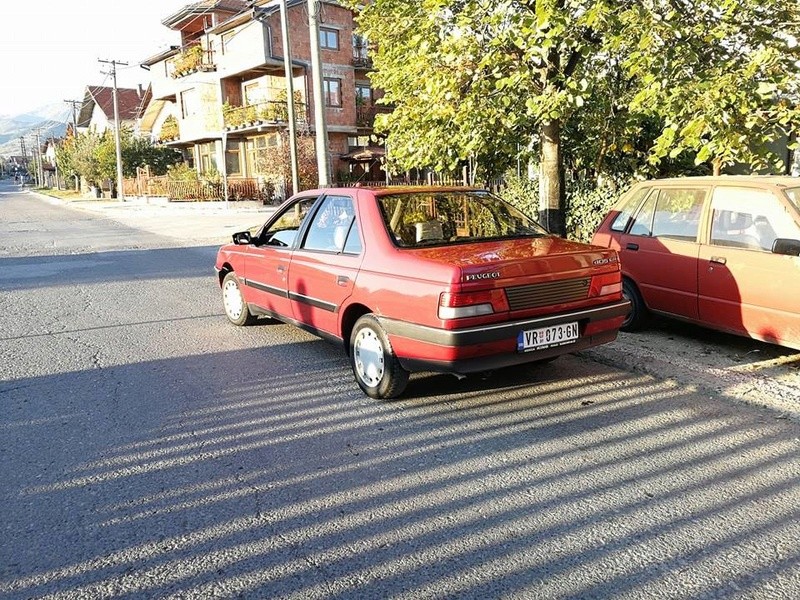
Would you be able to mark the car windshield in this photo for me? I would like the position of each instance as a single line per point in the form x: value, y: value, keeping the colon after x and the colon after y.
x: 793, y: 194
x: 441, y: 218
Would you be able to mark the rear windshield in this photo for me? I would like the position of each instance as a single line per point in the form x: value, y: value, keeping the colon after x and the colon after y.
x: 794, y: 195
x: 441, y: 218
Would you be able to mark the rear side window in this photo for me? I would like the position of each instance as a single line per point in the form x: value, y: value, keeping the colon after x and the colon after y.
x: 677, y: 214
x: 643, y: 222
x: 353, y: 243
x: 794, y: 196
x: 671, y: 213
x: 331, y: 225
x: 620, y: 223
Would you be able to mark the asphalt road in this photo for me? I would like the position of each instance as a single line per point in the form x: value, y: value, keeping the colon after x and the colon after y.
x: 149, y: 449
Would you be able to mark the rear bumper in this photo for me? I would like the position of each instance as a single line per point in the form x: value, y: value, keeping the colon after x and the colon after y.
x: 419, y: 347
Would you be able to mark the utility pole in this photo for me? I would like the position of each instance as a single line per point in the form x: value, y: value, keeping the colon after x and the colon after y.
x: 75, y: 104
x: 319, y: 100
x: 24, y: 154
x: 287, y: 67
x: 40, y: 167
x: 117, y: 140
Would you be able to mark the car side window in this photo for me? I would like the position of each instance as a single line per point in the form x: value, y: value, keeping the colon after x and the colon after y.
x: 749, y: 218
x: 643, y: 222
x: 353, y: 243
x: 620, y: 222
x: 283, y: 231
x: 330, y: 225
x: 677, y: 213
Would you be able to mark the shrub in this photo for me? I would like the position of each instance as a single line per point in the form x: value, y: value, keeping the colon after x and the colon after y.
x: 588, y: 202
x: 523, y: 193
x: 181, y: 172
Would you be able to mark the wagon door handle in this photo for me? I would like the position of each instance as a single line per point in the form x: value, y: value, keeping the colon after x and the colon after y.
x: 721, y: 260
x: 631, y: 246
x: 342, y: 280
x: 281, y: 269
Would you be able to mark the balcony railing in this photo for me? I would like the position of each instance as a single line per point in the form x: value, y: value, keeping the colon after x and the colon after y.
x: 361, y: 58
x: 273, y: 111
x: 190, y: 60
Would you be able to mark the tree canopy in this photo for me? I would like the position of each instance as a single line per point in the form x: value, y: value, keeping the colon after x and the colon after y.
x: 92, y: 155
x: 621, y: 85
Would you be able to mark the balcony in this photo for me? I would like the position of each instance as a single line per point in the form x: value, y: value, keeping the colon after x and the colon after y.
x: 191, y: 60
x: 361, y: 58
x: 263, y: 113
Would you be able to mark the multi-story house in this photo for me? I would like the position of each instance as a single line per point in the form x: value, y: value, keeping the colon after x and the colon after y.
x: 226, y: 81
x: 97, y: 109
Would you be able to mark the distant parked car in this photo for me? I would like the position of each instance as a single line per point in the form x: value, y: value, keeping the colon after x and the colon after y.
x: 450, y: 280
x: 721, y: 252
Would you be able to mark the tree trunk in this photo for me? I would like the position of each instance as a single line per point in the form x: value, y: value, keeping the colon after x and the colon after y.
x: 716, y: 166
x: 551, y: 192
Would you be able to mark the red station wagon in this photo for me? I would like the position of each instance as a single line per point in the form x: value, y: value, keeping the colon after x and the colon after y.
x: 717, y: 251
x: 422, y: 279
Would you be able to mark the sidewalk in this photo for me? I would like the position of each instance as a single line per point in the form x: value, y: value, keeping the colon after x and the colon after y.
x: 200, y: 222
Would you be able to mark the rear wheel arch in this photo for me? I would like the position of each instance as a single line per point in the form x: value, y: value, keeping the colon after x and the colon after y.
x: 639, y: 315
x: 350, y: 315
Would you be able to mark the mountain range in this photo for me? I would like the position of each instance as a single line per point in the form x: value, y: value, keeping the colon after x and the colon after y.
x: 51, y: 121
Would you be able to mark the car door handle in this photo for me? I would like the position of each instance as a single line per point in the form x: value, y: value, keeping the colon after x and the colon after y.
x: 281, y: 268
x: 631, y: 246
x: 721, y: 260
x: 342, y: 280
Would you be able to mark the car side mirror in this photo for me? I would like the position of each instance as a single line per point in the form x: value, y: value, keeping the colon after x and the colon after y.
x: 242, y: 238
x: 786, y: 246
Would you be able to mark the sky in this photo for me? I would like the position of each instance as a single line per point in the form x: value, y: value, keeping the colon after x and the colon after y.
x: 49, y: 49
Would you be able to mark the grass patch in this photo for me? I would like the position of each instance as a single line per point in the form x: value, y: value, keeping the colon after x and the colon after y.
x: 63, y: 194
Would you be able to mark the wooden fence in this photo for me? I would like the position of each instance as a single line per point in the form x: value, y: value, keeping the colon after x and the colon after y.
x: 239, y: 188
x: 244, y: 188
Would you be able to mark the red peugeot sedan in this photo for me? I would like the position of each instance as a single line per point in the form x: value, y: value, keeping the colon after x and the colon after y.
x: 721, y: 252
x: 422, y: 279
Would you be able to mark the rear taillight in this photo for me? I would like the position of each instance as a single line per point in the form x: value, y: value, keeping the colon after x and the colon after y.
x: 606, y: 285
x: 458, y: 305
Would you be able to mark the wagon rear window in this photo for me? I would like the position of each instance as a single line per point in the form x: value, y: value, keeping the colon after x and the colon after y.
x: 440, y: 218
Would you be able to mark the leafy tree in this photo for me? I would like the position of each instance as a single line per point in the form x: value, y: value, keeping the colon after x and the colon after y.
x: 274, y: 163
x: 139, y: 152
x: 495, y: 80
x: 93, y: 156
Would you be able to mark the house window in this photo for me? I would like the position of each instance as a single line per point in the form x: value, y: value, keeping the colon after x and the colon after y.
x: 190, y: 104
x: 260, y: 161
x: 207, y: 156
x: 364, y: 92
x: 333, y: 92
x: 233, y: 163
x: 254, y: 93
x: 361, y: 141
x: 227, y: 37
x: 328, y: 38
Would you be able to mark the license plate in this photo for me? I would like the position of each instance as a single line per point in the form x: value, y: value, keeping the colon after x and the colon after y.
x: 547, y: 337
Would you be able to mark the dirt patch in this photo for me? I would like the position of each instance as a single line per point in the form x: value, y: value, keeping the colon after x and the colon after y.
x: 715, y: 363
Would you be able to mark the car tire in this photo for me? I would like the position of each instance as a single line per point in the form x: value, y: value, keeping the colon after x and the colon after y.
x: 639, y: 314
x: 376, y: 368
x: 236, y: 308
